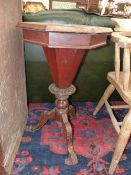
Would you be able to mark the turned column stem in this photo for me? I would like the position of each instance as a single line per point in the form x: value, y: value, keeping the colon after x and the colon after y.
x: 62, y: 111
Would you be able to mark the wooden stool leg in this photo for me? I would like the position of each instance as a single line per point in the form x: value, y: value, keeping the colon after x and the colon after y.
x: 121, y: 143
x: 109, y: 90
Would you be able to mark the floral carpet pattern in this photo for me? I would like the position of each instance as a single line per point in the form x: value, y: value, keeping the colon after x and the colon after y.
x: 44, y: 152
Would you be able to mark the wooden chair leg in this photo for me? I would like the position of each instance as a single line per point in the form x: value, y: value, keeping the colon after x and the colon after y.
x: 121, y: 142
x: 109, y: 90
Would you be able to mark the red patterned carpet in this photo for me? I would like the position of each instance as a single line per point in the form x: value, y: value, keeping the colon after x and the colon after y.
x: 45, y: 153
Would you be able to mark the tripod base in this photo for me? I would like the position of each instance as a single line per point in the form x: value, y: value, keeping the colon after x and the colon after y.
x: 60, y: 113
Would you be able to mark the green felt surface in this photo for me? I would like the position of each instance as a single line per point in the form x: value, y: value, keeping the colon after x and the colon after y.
x: 68, y: 16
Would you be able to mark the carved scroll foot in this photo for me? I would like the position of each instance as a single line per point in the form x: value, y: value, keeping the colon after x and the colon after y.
x: 68, y: 135
x: 42, y: 121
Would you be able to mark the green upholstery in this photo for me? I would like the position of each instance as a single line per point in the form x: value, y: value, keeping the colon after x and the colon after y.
x: 68, y: 16
x: 91, y: 79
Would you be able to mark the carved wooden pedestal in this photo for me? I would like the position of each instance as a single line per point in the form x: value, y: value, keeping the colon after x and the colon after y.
x: 61, y: 113
x: 64, y: 47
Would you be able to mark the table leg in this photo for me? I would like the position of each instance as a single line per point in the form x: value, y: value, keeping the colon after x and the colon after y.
x: 72, y: 111
x: 42, y: 121
x: 60, y: 113
x: 68, y: 135
x: 63, y: 109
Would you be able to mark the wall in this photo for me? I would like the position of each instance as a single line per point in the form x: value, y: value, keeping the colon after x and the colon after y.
x: 13, y: 109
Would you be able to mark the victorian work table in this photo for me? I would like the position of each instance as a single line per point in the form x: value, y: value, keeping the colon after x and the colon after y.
x: 64, y: 47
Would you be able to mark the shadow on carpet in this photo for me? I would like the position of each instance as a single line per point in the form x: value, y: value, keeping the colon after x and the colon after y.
x: 44, y: 152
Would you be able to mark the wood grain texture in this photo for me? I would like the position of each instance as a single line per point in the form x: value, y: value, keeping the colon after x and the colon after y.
x: 117, y: 61
x: 122, y: 141
x: 63, y: 64
x: 121, y: 81
x: 63, y: 27
x: 64, y: 47
x: 53, y: 39
x: 64, y: 36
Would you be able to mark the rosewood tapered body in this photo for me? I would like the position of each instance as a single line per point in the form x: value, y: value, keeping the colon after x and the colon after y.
x: 63, y: 64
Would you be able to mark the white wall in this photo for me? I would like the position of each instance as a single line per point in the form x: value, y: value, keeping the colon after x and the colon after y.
x: 13, y: 103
